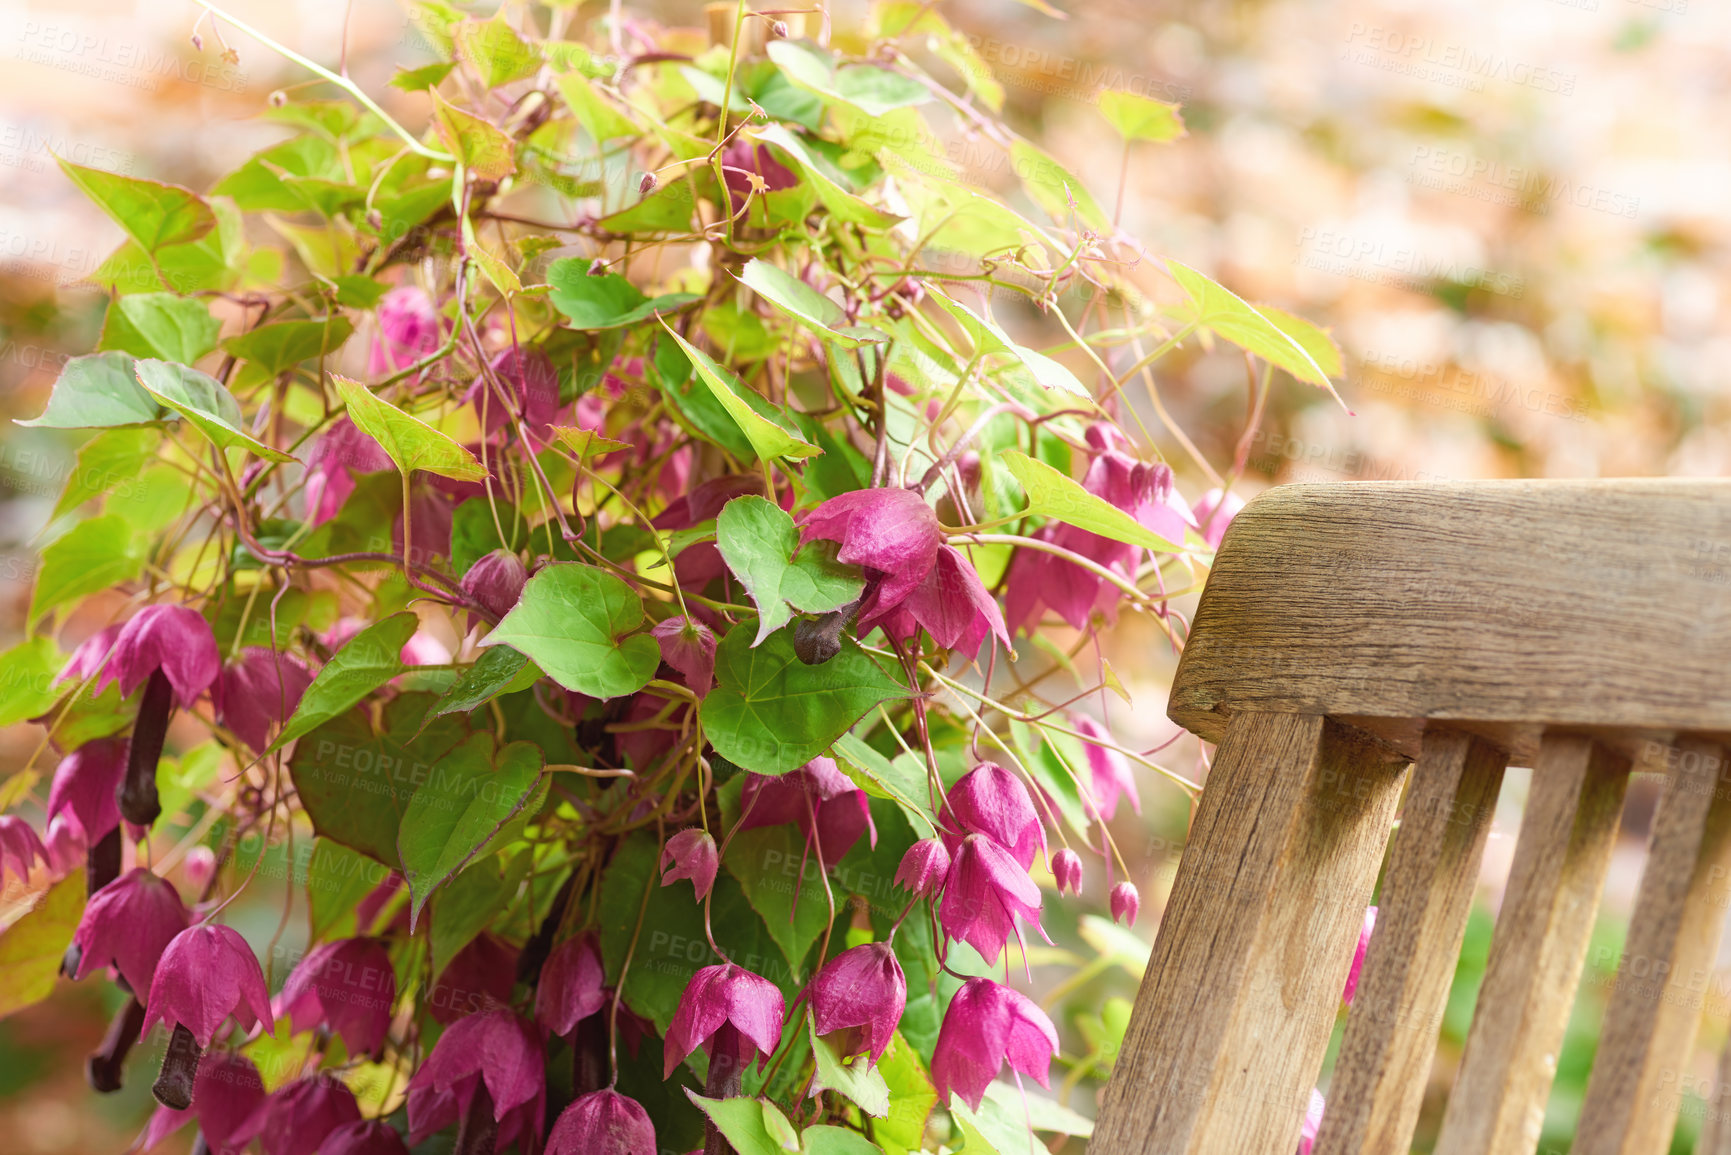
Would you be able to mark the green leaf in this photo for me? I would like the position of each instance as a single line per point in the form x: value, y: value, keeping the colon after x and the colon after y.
x: 356, y: 779
x: 586, y: 443
x: 422, y: 78
x: 1141, y: 117
x: 464, y: 908
x: 1055, y: 189
x: 481, y: 147
x: 805, y: 304
x: 458, y: 814
x: 96, y: 391
x: 337, y: 879
x: 1218, y: 309
x: 600, y: 117
x: 152, y: 213
x: 1311, y: 337
x: 160, y: 325
x: 666, y: 209
x: 1052, y: 494
x: 277, y: 348
x: 202, y: 400
x: 31, y: 948
x: 494, y: 50
x: 369, y: 660
x: 604, y: 300
x: 571, y: 622
x: 743, y: 1123
x: 769, y: 439
x: 898, y: 780
x: 89, y: 558
x: 772, y: 867
x: 475, y: 533
x: 858, y: 1081
x: 772, y: 713
x: 1006, y: 1112
x: 408, y: 441
x: 499, y: 670
x: 824, y: 1139
x: 757, y: 539
x: 989, y: 337
x: 873, y: 90
x: 27, y: 673
x: 836, y: 197
x: 911, y: 1098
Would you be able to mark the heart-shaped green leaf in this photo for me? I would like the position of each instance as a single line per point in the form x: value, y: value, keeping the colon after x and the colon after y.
x: 89, y: 557
x: 407, y: 440
x: 480, y: 146
x: 757, y: 539
x: 206, y: 405
x: 369, y: 660
x: 152, y: 213
x: 160, y: 325
x: 571, y: 622
x: 603, y: 300
x: 1217, y: 308
x: 280, y: 347
x: 499, y: 670
x: 1052, y: 494
x: 97, y: 391
x: 768, y: 438
x: 805, y: 304
x: 1140, y: 117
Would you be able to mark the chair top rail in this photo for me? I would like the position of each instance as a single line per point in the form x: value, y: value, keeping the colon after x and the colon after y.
x: 1507, y: 607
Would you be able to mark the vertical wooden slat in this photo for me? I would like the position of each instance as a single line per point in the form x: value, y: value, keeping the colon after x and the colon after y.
x: 1239, y: 998
x: 1715, y: 1136
x: 1649, y: 1033
x: 1391, y: 1030
x: 1497, y: 1106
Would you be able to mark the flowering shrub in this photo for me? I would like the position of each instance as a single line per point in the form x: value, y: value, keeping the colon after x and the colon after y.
x: 617, y: 527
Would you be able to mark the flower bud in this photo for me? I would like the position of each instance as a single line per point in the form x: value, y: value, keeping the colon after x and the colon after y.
x: 923, y: 868
x: 1125, y: 902
x: 690, y: 854
x: 647, y: 184
x: 496, y: 581
x: 199, y: 866
x: 1067, y: 869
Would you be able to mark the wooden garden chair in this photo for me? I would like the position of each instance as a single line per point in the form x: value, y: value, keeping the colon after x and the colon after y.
x: 1348, y: 630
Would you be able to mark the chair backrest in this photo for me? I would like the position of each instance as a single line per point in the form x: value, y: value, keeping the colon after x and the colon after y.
x: 1347, y: 632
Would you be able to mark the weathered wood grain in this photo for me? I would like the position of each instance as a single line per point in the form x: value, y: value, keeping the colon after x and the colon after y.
x: 1391, y: 1030
x: 1241, y: 992
x: 1649, y: 1034
x: 1497, y: 1106
x: 1505, y: 606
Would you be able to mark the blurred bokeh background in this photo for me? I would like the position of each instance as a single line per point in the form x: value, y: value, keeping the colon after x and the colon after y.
x: 1514, y: 216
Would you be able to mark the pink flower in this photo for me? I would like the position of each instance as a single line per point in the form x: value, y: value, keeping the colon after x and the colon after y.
x: 892, y: 531
x: 478, y: 977
x: 924, y: 867
x: 174, y: 639
x: 828, y: 807
x: 690, y: 854
x: 950, y: 602
x: 367, y: 1137
x: 726, y: 996
x: 489, y: 1061
x: 1358, y: 955
x: 259, y: 692
x: 743, y: 159
x: 207, y: 974
x: 1109, y: 769
x: 858, y: 998
x: 297, y: 1118
x: 1214, y: 512
x: 85, y: 783
x: 688, y: 647
x: 603, y: 1122
x: 20, y: 848
x: 569, y: 989
x: 341, y: 454
x: 1125, y: 902
x: 90, y: 655
x: 984, y: 893
x: 531, y: 384
x: 225, y: 1096
x: 992, y: 801
x: 496, y: 581
x: 348, y: 985
x: 1067, y: 869
x: 129, y: 924
x: 199, y: 866
x: 987, y: 1024
x: 65, y: 844
x: 409, y: 329
x: 1312, y: 1123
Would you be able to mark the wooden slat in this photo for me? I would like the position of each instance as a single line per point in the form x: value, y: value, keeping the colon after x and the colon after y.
x: 1391, y: 1030
x: 1715, y: 1138
x: 1239, y: 998
x: 1507, y: 606
x: 1497, y: 1106
x: 1649, y: 1033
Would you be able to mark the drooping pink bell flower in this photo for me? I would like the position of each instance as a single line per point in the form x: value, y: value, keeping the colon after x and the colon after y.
x: 199, y: 867
x: 90, y: 656
x: 892, y: 531
x: 1312, y: 1123
x: 65, y: 844
x: 1214, y: 512
x: 924, y: 867
x: 1364, y: 934
x: 259, y: 691
x: 225, y: 1097
x: 20, y: 848
x: 857, y: 999
x: 742, y: 160
x: 296, y: 1119
x: 531, y: 384
x: 1108, y: 769
x: 128, y: 924
x: 174, y: 639
x: 496, y: 581
x: 984, y: 893
x: 570, y: 987
x: 950, y: 602
x: 348, y: 985
x: 824, y: 802
x: 603, y: 1122
x: 491, y: 1063
x: 689, y: 647
x: 409, y: 329
x: 1067, y: 869
x: 990, y: 800
x: 1125, y: 901
x: 988, y: 1024
x: 478, y: 978
x: 207, y: 975
x: 738, y: 1013
x: 690, y: 854
x: 367, y: 1137
x: 85, y: 784
x: 341, y: 454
